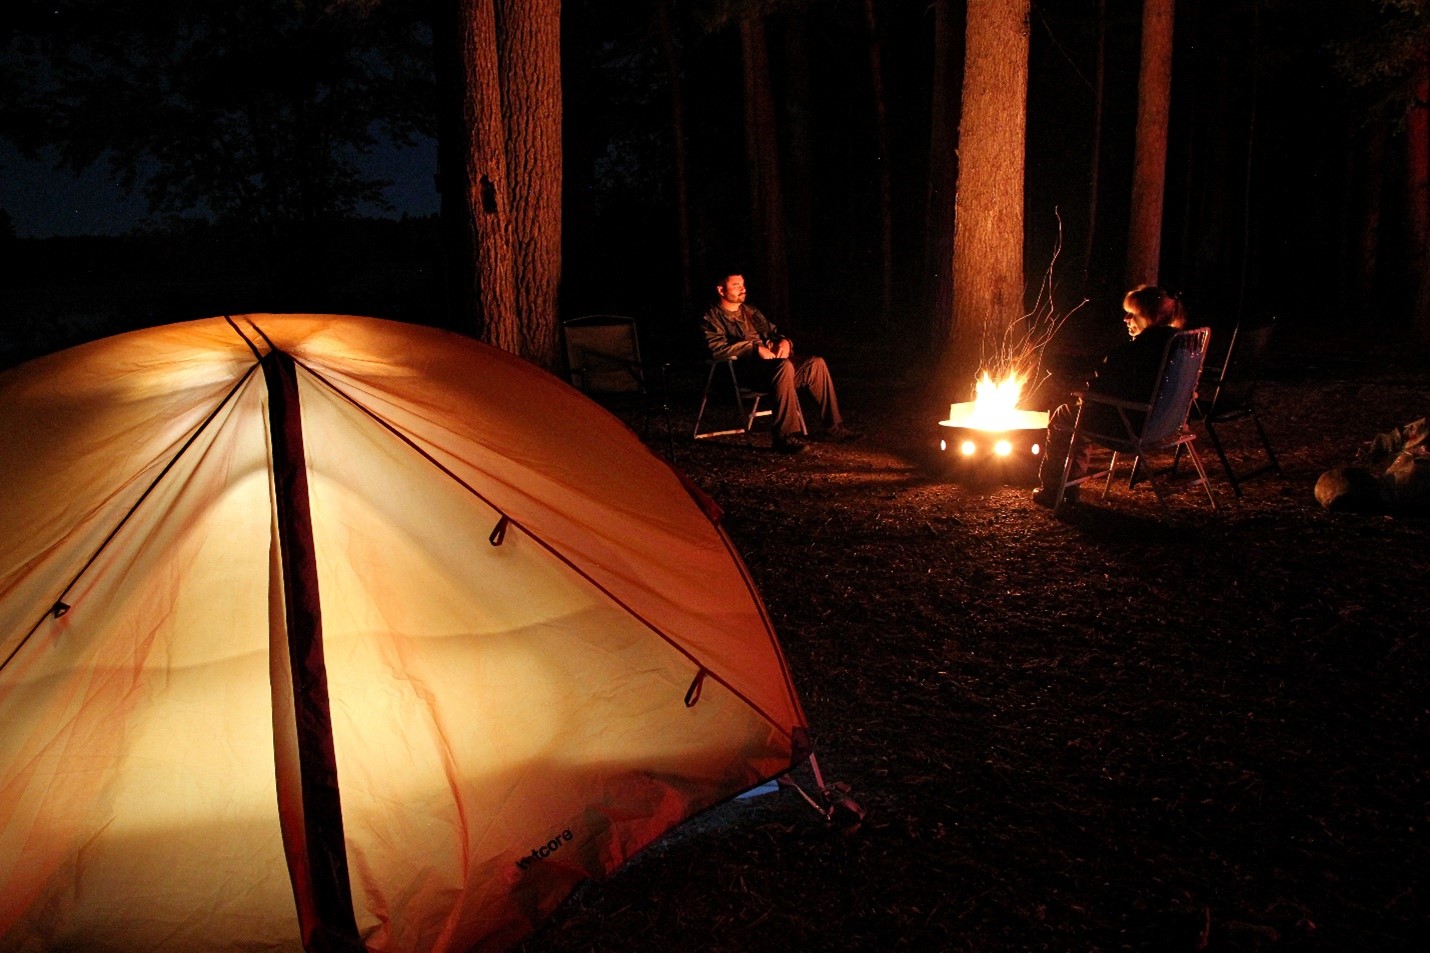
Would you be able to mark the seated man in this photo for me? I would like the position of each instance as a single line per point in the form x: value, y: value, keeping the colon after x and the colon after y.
x: 735, y: 330
x: 1129, y: 371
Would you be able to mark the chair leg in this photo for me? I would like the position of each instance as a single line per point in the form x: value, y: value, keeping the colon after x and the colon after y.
x: 1111, y: 469
x: 746, y: 419
x: 740, y: 402
x: 1265, y: 443
x: 1136, y: 469
x: 704, y: 402
x: 1221, y: 455
x: 754, y: 412
x: 1201, y: 473
x: 1067, y: 463
x: 1160, y: 493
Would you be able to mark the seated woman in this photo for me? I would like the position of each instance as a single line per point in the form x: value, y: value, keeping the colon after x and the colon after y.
x: 1128, y: 371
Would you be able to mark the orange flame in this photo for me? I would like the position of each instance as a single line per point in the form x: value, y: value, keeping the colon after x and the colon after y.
x: 995, y: 406
x: 995, y: 402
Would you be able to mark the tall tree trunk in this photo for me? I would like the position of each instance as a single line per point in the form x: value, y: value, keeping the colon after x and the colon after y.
x: 1245, y: 257
x: 942, y: 173
x: 1099, y: 90
x: 886, y: 188
x: 1371, y: 183
x: 1185, y: 273
x: 529, y: 47
x: 682, y: 175
x: 492, y: 299
x: 1154, y: 97
x: 799, y: 154
x: 988, y: 222
x: 762, y: 158
x: 1417, y: 165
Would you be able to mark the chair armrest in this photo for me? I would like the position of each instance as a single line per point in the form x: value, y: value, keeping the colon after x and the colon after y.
x: 1097, y: 398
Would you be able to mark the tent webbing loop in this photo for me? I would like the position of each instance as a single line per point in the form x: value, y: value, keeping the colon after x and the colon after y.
x: 498, y: 535
x: 692, y: 694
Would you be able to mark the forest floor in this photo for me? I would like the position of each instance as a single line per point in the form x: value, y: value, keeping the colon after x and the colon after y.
x: 1117, y: 729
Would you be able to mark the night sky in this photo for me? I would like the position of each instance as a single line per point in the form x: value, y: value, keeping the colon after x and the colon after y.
x: 46, y: 201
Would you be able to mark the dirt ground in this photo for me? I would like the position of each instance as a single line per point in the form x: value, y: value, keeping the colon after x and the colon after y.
x: 1115, y: 730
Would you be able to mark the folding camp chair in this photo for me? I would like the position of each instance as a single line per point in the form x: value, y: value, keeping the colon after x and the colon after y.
x: 746, y: 402
x: 603, y: 361
x: 1163, y: 423
x: 1227, y: 394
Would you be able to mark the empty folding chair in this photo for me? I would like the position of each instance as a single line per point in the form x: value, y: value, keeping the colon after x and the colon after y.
x: 1227, y: 396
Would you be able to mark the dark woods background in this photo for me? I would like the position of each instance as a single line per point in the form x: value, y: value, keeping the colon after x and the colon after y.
x: 1286, y: 174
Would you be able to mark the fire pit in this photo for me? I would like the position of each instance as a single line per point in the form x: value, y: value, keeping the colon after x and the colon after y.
x: 990, y: 435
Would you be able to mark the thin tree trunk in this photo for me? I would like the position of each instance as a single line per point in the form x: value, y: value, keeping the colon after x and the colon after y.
x: 762, y: 156
x: 1099, y: 86
x: 492, y: 298
x: 1417, y: 145
x: 886, y: 189
x: 529, y: 46
x: 1192, y: 165
x: 1248, y: 177
x: 1372, y: 183
x: 799, y: 154
x: 682, y: 175
x: 942, y: 174
x: 988, y: 231
x: 1154, y: 97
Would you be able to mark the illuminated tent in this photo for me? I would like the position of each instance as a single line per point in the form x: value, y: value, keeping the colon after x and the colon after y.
x: 332, y: 632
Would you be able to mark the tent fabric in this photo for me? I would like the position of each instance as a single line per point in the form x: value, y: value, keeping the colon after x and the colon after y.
x: 538, y: 651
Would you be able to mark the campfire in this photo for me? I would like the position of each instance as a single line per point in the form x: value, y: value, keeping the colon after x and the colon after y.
x: 991, y: 428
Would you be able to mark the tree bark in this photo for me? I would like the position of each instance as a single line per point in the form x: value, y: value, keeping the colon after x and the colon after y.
x: 1099, y: 93
x: 799, y: 152
x: 529, y: 47
x: 762, y: 157
x: 1249, y: 170
x: 942, y: 174
x: 886, y: 188
x: 491, y: 299
x: 1370, y: 181
x: 1417, y: 164
x: 988, y: 220
x: 682, y: 174
x: 1154, y: 97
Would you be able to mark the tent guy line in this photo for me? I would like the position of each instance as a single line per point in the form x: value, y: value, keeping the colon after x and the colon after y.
x: 60, y: 607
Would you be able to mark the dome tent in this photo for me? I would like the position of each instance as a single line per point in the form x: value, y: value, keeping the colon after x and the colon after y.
x: 331, y: 632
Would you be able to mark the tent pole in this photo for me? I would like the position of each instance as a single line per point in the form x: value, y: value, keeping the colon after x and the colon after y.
x: 310, y: 809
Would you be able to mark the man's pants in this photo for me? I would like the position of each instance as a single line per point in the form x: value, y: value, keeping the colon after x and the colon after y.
x: 784, y: 378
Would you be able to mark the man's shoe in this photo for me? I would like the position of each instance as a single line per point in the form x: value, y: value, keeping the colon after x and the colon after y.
x: 782, y: 443
x: 842, y: 434
x: 1047, y: 496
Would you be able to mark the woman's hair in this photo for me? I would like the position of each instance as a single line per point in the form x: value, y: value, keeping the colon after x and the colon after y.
x: 1154, y: 304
